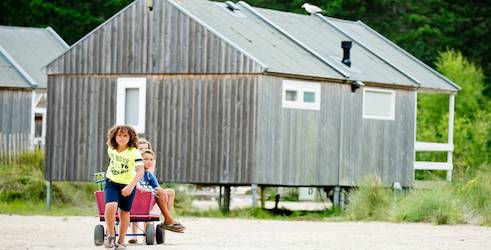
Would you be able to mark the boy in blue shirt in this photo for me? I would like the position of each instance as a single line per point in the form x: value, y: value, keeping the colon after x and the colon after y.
x: 165, y: 197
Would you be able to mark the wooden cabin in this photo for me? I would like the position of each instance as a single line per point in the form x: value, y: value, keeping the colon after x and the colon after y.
x: 23, y: 54
x: 230, y: 94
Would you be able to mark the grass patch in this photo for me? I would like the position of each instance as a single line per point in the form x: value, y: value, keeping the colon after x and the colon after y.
x: 21, y: 207
x: 259, y: 213
x: 370, y: 201
x: 23, y: 189
x: 439, y: 205
x: 476, y: 195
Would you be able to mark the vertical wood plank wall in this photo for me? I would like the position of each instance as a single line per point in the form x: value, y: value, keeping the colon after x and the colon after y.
x: 334, y: 145
x: 160, y: 41
x: 80, y: 111
x: 140, y: 43
x: 202, y: 127
x: 209, y: 114
x: 15, y: 121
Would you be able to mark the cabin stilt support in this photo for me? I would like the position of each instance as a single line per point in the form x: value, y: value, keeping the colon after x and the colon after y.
x: 226, y: 199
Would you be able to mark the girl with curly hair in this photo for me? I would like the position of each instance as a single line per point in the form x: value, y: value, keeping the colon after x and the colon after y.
x: 123, y: 173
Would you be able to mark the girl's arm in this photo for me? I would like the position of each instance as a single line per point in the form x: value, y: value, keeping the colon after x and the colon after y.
x: 129, y: 188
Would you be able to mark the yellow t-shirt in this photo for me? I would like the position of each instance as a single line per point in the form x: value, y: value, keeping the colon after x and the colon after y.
x: 121, y: 167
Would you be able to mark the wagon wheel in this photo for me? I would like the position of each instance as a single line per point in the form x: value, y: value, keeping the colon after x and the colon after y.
x: 160, y: 234
x: 149, y: 234
x: 99, y: 235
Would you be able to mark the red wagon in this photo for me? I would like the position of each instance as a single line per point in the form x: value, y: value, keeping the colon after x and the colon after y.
x: 140, y: 212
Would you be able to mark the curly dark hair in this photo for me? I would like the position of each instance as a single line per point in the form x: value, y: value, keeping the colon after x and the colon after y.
x: 111, y: 136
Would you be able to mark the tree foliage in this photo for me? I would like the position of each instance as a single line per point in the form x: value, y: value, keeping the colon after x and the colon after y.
x: 71, y: 19
x: 472, y: 127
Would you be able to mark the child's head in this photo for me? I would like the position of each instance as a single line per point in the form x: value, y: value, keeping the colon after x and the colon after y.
x: 148, y: 158
x: 143, y: 144
x: 122, y: 135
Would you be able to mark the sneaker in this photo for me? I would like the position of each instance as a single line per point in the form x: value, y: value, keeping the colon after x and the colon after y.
x: 120, y: 246
x: 109, y: 241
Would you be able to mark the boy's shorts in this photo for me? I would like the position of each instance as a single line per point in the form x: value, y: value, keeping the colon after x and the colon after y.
x: 112, y: 193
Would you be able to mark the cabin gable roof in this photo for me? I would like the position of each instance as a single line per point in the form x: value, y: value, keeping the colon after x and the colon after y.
x: 24, y: 52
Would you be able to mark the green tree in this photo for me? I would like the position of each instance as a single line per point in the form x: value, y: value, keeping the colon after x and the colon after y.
x: 71, y: 19
x: 472, y: 129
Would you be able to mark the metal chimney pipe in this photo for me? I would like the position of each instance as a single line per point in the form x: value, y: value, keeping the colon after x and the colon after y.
x: 346, y: 45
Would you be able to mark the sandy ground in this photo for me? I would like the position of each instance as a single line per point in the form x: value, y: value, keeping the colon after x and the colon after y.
x: 44, y: 232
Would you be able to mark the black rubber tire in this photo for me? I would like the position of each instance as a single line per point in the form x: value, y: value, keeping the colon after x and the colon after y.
x: 99, y: 235
x: 160, y: 234
x: 149, y: 234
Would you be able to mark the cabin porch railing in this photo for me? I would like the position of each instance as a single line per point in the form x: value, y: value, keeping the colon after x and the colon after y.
x: 435, y: 147
x: 439, y: 147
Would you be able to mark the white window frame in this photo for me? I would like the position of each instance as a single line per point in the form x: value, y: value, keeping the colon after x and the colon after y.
x: 40, y: 141
x: 300, y: 87
x: 392, y: 93
x: 131, y: 83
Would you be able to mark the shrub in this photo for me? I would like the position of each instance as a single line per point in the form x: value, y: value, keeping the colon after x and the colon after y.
x: 438, y: 205
x: 23, y: 180
x: 370, y: 201
x: 476, y: 194
x: 472, y: 126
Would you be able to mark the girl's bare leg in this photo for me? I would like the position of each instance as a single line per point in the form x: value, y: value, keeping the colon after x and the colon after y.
x: 123, y: 225
x: 110, y: 217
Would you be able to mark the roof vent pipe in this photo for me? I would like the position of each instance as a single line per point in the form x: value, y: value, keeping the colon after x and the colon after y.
x: 346, y: 45
x: 150, y: 4
x: 231, y: 6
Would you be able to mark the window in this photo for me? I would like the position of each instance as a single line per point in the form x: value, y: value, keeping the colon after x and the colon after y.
x: 131, y: 102
x: 301, y: 95
x: 308, y: 97
x: 291, y: 95
x: 378, y: 104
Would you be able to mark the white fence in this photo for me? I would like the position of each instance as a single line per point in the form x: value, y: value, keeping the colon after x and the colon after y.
x: 439, y: 147
x: 435, y: 147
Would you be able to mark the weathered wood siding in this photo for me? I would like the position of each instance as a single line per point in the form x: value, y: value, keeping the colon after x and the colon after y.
x: 200, y: 126
x: 15, y: 121
x: 80, y: 112
x: 211, y: 118
x: 334, y: 145
x: 139, y: 41
x: 386, y: 148
x: 142, y: 43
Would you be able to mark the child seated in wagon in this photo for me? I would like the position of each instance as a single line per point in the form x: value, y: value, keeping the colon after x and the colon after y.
x: 165, y: 197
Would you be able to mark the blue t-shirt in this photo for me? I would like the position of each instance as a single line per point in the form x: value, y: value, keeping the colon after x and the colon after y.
x: 149, y: 182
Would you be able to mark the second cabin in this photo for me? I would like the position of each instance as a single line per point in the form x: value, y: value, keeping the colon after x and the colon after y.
x: 230, y: 94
